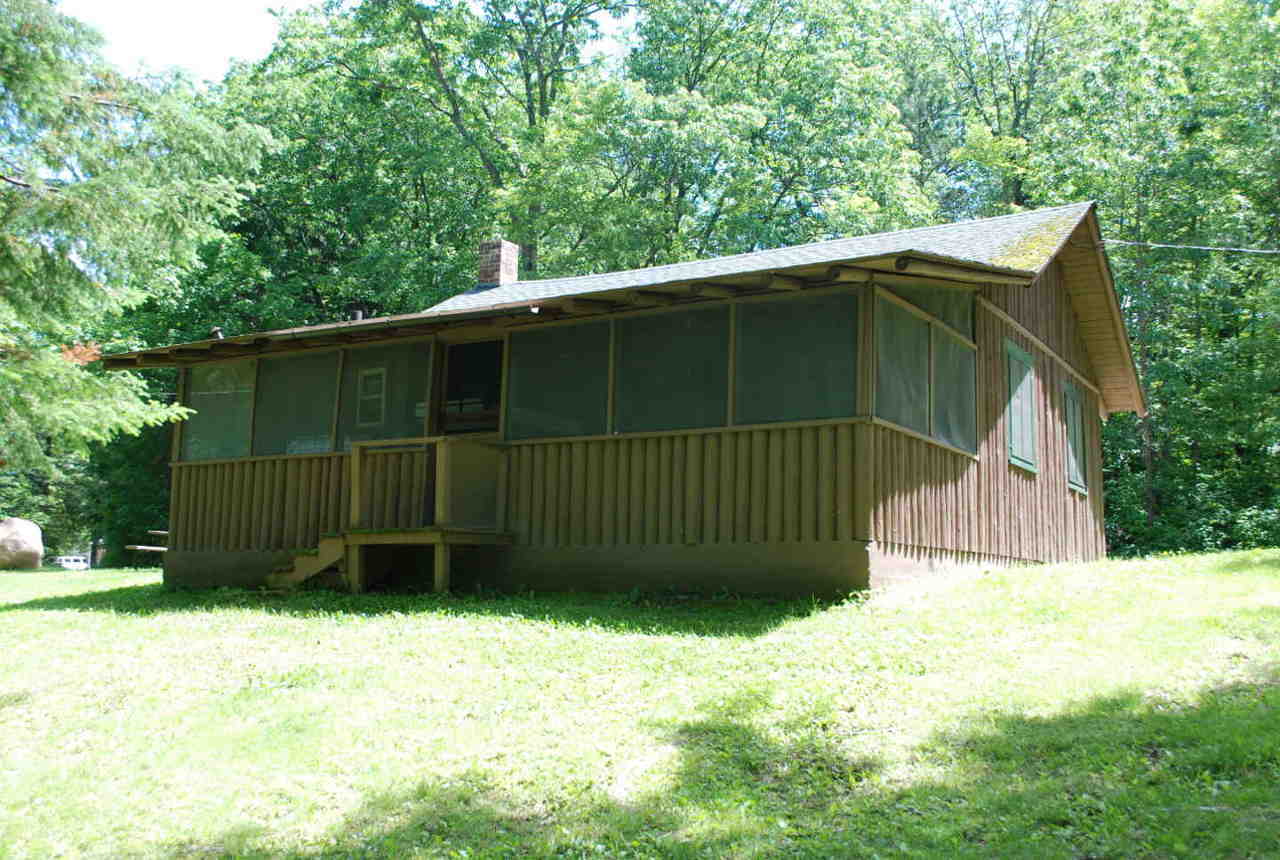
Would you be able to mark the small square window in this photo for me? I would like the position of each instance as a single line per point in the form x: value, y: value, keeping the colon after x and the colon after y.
x: 371, y: 397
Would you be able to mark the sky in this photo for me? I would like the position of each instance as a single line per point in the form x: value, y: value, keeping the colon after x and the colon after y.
x: 204, y: 36
x: 201, y: 36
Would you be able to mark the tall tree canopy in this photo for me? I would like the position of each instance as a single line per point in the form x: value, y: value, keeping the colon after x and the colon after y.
x: 107, y: 189
x: 409, y: 130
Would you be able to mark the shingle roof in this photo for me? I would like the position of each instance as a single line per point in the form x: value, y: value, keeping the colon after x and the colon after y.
x: 1018, y: 244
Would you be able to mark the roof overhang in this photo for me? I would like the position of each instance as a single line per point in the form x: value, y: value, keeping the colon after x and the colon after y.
x: 909, y: 267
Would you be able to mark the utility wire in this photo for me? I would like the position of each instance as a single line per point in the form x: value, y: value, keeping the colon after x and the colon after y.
x: 1194, y: 247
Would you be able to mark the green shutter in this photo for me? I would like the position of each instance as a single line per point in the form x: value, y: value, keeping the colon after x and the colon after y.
x: 1073, y: 407
x: 1020, y: 414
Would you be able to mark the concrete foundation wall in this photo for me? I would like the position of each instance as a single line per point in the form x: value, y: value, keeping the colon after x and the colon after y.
x: 218, y: 569
x: 829, y: 569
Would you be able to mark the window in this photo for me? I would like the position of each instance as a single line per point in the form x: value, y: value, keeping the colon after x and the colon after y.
x: 1073, y: 410
x: 472, y: 388
x: 926, y: 372
x: 1020, y: 416
x: 902, y: 366
x: 559, y: 378
x: 952, y: 305
x: 401, y: 372
x: 954, y: 392
x: 294, y: 412
x: 796, y: 359
x: 222, y: 397
x: 371, y: 399
x: 672, y: 371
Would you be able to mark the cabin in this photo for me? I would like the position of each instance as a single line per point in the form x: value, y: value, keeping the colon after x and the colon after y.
x: 806, y: 420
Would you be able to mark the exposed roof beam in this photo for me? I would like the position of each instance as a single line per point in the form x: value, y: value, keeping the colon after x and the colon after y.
x: 931, y: 268
x: 650, y: 298
x: 586, y: 306
x: 848, y: 275
x: 714, y: 291
x: 786, y: 282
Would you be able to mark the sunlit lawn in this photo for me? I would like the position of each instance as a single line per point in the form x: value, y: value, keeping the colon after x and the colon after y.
x: 1117, y: 709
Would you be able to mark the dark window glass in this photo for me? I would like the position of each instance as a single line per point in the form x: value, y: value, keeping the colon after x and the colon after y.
x: 952, y: 305
x: 902, y: 367
x: 222, y: 396
x: 955, y: 394
x: 384, y: 391
x: 294, y: 411
x: 672, y: 370
x: 559, y: 379
x: 473, y: 387
x: 796, y: 359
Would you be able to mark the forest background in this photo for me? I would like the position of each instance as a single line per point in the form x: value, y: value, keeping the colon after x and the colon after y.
x: 358, y: 166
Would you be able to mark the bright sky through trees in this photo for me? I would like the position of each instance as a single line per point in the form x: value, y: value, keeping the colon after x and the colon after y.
x: 202, y: 38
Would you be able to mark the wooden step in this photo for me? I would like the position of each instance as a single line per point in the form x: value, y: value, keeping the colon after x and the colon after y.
x: 308, y: 564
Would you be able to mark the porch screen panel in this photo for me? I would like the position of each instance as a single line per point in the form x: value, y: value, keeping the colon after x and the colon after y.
x: 955, y: 392
x: 902, y: 367
x: 384, y: 393
x: 222, y: 395
x: 672, y: 371
x: 952, y: 305
x: 796, y: 359
x: 558, y: 381
x: 294, y: 414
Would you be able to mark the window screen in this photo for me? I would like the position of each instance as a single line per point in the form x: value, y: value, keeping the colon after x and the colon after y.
x: 222, y: 396
x: 473, y: 387
x: 1020, y: 422
x: 559, y: 378
x: 1073, y: 407
x: 672, y: 370
x: 955, y: 392
x: 902, y: 367
x: 384, y: 393
x: 796, y: 359
x: 952, y: 305
x: 294, y: 414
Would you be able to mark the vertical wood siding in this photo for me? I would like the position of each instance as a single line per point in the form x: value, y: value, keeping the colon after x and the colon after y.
x: 931, y: 498
x: 398, y: 488
x: 264, y: 503
x: 789, y: 484
x: 1045, y: 309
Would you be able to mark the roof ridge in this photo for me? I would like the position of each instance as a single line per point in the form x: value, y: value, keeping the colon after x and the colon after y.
x: 818, y: 244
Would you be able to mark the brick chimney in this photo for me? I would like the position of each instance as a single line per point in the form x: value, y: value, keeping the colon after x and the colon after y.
x: 499, y: 263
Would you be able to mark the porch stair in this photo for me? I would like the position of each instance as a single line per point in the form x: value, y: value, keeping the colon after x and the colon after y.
x: 332, y: 549
x: 346, y: 549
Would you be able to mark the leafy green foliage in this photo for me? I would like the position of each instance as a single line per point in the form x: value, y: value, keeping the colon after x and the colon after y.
x: 107, y: 188
x: 407, y: 132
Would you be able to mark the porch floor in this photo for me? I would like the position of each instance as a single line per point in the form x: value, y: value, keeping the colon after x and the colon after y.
x: 347, y: 550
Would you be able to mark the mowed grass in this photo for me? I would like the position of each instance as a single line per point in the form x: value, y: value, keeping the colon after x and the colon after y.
x: 1106, y: 710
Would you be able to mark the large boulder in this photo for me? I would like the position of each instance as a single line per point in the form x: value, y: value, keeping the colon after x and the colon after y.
x: 21, y: 544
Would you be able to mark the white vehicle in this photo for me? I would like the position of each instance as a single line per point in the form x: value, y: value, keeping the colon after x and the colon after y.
x: 72, y: 562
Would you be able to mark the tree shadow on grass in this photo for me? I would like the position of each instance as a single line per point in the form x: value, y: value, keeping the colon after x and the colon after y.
x: 1120, y: 776
x: 646, y: 614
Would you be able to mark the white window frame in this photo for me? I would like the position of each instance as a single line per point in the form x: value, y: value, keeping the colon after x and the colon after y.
x: 361, y: 397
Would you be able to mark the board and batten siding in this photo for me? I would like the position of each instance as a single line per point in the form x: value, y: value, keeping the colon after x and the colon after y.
x: 931, y: 502
x: 785, y: 484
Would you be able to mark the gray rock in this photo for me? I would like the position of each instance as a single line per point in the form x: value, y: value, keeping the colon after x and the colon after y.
x: 21, y: 544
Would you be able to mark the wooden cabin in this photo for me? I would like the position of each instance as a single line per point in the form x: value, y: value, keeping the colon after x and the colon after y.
x: 813, y: 419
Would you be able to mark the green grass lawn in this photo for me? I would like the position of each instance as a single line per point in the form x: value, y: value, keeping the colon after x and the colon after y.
x: 1113, y: 709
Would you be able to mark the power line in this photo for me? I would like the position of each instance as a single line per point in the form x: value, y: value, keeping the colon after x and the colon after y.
x: 1194, y: 247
